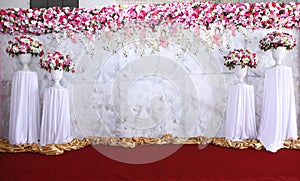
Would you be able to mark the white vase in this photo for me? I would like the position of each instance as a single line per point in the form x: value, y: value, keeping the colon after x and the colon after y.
x: 240, y: 73
x: 56, y: 76
x: 278, y: 55
x: 25, y: 60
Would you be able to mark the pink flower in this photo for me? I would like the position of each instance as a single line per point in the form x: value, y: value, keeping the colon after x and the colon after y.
x: 233, y: 30
x: 115, y: 17
x: 242, y: 57
x: 24, y: 45
x: 217, y: 40
x: 57, y: 61
x: 163, y: 42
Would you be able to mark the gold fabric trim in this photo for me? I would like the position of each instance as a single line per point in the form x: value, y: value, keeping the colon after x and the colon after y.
x: 254, y: 144
x: 50, y: 149
x: 57, y: 149
x: 134, y: 141
x: 169, y: 139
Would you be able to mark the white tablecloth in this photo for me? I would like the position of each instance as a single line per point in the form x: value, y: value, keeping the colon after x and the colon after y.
x: 278, y: 121
x: 240, y: 114
x: 55, y: 126
x: 24, y: 125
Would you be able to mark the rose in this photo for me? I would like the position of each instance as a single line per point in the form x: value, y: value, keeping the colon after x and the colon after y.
x: 24, y: 45
x: 277, y: 39
x: 57, y: 61
x: 257, y: 15
x: 243, y: 57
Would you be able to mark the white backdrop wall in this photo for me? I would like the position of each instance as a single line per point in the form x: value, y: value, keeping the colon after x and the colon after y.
x: 99, y: 91
x: 113, y: 95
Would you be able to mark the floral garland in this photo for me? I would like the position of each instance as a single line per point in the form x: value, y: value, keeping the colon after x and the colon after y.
x: 24, y: 45
x: 277, y: 39
x: 243, y: 57
x: 57, y: 61
x: 189, y: 15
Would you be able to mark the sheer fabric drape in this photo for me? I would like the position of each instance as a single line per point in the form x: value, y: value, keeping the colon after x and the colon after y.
x: 240, y: 117
x: 55, y: 127
x: 278, y: 121
x: 24, y: 125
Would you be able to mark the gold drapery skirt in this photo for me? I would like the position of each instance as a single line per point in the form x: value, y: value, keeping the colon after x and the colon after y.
x: 50, y: 149
x: 57, y: 149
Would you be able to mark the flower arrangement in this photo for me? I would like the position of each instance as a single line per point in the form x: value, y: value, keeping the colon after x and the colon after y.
x: 243, y: 57
x: 57, y: 61
x: 277, y: 39
x: 24, y: 45
x: 115, y: 17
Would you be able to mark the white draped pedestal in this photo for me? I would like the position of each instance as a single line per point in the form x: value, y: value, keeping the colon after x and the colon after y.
x: 55, y: 126
x: 278, y: 121
x: 240, y: 114
x: 24, y: 122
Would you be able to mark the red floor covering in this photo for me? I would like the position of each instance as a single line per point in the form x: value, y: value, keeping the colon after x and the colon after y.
x: 188, y: 163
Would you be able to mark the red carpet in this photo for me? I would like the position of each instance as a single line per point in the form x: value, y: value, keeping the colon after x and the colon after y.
x: 188, y: 163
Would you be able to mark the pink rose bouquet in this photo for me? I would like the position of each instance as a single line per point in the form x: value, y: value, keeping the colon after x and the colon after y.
x: 277, y: 39
x: 24, y: 45
x: 57, y: 61
x: 243, y: 57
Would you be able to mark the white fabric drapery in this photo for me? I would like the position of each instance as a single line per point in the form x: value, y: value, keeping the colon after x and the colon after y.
x: 55, y: 127
x: 240, y: 114
x: 24, y: 125
x: 278, y: 121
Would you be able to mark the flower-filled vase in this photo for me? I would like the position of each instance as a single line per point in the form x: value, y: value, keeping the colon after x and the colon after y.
x: 240, y: 60
x: 24, y: 47
x: 278, y: 42
x: 57, y: 63
x: 56, y: 76
x: 240, y: 73
x: 25, y: 60
x: 278, y: 55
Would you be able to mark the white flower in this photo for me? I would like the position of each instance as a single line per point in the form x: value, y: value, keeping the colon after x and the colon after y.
x: 245, y: 60
x: 33, y: 22
x: 15, y: 49
x: 6, y: 23
x: 29, y: 15
x: 265, y: 18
